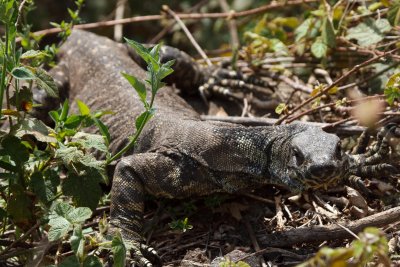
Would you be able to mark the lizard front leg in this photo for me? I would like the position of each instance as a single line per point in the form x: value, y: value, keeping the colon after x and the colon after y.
x: 127, y: 205
x: 160, y: 175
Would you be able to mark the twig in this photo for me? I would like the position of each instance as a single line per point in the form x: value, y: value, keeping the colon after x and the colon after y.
x: 22, y: 238
x: 253, y: 239
x: 265, y: 200
x: 21, y: 6
x: 109, y: 23
x: 321, y: 233
x: 335, y: 83
x: 280, y: 222
x: 298, y: 116
x: 231, y: 24
x: 188, y: 34
x: 335, y: 124
x: 277, y: 251
x: 119, y: 14
x: 171, y: 24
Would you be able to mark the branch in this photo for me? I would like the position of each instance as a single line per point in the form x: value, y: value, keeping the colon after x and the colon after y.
x: 335, y: 83
x: 188, y: 34
x: 181, y: 16
x: 322, y: 233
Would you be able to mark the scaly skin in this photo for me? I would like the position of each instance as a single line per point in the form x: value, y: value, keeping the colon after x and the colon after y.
x: 178, y: 155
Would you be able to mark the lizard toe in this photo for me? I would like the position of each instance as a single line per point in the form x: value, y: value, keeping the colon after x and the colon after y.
x: 138, y: 259
x: 151, y: 254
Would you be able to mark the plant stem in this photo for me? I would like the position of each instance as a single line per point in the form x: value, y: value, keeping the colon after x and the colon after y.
x: 135, y: 137
x: 4, y: 70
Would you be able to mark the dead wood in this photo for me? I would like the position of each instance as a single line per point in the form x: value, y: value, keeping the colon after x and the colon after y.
x: 322, y: 233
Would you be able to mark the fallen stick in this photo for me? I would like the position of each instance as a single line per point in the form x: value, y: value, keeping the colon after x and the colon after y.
x: 322, y: 233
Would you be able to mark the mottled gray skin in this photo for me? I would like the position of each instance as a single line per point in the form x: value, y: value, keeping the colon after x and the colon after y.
x: 178, y: 155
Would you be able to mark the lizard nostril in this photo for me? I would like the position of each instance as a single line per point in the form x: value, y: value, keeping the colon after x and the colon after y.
x: 319, y: 170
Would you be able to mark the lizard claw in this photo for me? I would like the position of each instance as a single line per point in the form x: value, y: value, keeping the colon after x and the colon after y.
x: 358, y: 184
x: 144, y: 256
x: 368, y: 164
x: 231, y: 83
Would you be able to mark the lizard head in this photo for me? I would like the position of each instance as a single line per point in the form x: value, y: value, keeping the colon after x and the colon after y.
x: 309, y: 158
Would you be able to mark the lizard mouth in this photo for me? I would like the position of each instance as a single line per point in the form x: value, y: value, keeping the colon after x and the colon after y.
x: 322, y: 179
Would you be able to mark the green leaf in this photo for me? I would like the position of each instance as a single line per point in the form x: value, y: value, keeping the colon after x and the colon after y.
x: 31, y: 54
x: 55, y: 116
x: 77, y: 242
x: 394, y: 13
x: 392, y: 94
x: 12, y: 146
x: 69, y: 154
x: 103, y: 130
x: 304, y: 29
x: 8, y: 167
x: 63, y: 217
x: 73, y: 121
x: 137, y: 85
x: 279, y: 47
x: 19, y: 206
x: 280, y: 108
x: 319, y: 48
x: 144, y: 118
x: 90, y: 141
x: 92, y: 261
x: 394, y: 80
x: 59, y: 227
x: 35, y: 127
x: 119, y: 250
x: 39, y: 187
x: 369, y: 32
x: 140, y: 50
x: 46, y: 82
x: 85, y: 188
x: 165, y: 69
x: 79, y: 215
x: 328, y: 33
x: 319, y: 13
x: 155, y: 52
x: 22, y: 73
x: 71, y: 261
x: 83, y: 108
x: 64, y: 111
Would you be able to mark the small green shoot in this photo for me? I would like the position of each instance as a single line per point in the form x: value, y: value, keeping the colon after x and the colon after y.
x: 156, y: 71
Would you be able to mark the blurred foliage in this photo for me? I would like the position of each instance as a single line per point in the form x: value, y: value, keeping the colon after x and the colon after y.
x: 370, y: 248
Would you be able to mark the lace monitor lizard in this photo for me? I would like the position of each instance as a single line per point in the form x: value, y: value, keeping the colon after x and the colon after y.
x: 178, y: 155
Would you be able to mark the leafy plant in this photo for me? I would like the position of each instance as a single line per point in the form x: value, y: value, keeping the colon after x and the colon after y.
x: 371, y: 243
x: 229, y: 263
x: 392, y: 90
x: 156, y: 71
x: 182, y: 225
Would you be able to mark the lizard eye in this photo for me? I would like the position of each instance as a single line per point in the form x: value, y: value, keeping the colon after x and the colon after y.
x: 298, y: 157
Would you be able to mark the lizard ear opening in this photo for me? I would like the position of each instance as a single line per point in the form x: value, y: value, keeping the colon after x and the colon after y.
x: 298, y: 157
